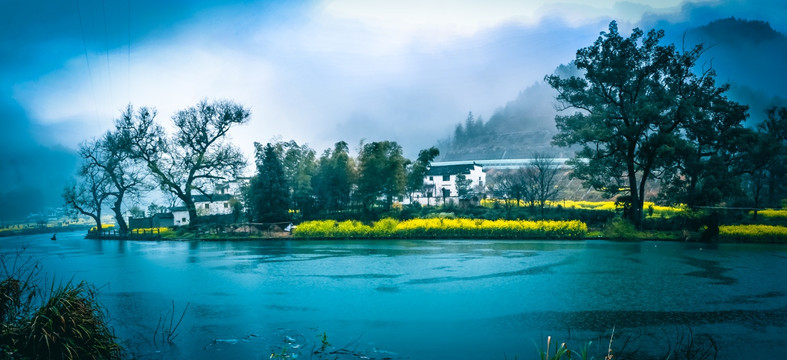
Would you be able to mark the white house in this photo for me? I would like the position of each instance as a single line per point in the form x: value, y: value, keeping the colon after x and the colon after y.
x: 232, y: 187
x: 216, y: 204
x: 440, y: 182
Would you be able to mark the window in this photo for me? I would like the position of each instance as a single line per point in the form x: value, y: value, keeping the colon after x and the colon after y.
x: 226, y: 205
x: 183, y: 220
x: 446, y: 177
x: 431, y: 178
x: 207, y: 206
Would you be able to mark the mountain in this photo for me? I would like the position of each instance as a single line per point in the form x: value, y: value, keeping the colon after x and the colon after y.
x: 749, y: 55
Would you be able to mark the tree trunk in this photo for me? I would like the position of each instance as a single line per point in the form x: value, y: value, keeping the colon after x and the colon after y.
x: 122, y: 226
x: 635, y: 213
x: 192, y: 212
x: 99, y: 227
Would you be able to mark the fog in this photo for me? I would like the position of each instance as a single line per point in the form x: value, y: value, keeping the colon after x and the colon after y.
x: 316, y: 72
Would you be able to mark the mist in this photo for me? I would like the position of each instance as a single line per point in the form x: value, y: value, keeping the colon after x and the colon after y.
x: 316, y: 72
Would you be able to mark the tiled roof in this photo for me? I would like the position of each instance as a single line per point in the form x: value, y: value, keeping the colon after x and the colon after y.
x: 450, y: 169
x: 211, y: 198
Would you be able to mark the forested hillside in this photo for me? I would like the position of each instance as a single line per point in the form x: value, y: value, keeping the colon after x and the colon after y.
x: 749, y: 55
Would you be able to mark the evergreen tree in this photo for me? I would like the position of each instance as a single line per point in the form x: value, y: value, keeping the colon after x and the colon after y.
x: 269, y: 194
x: 637, y: 105
x: 335, y: 178
x: 381, y: 172
x: 418, y: 169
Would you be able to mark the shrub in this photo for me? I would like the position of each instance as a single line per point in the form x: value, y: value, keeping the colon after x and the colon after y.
x: 620, y: 229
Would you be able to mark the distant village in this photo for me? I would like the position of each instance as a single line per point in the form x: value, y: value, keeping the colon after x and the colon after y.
x: 440, y: 188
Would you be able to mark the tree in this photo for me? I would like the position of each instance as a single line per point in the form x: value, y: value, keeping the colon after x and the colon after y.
x: 774, y: 131
x: 124, y: 175
x: 462, y: 185
x: 335, y: 179
x: 417, y: 170
x: 509, y: 185
x: 299, y: 167
x: 542, y: 179
x: 764, y: 162
x: 269, y: 193
x: 381, y: 172
x: 89, y: 194
x: 192, y: 159
x: 635, y: 104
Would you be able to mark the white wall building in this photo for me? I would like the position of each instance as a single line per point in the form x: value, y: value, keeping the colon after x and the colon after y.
x: 216, y: 204
x: 440, y: 182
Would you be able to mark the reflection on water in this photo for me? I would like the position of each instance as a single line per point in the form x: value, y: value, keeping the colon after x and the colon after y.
x: 428, y: 299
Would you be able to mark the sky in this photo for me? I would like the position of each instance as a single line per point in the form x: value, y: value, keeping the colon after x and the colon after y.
x: 313, y: 71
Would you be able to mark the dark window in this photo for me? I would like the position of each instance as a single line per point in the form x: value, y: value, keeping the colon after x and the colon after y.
x: 431, y: 178
x: 207, y: 206
x: 446, y: 177
x: 226, y: 205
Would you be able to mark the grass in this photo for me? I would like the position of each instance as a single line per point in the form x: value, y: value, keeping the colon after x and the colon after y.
x: 65, y: 322
x: 70, y: 325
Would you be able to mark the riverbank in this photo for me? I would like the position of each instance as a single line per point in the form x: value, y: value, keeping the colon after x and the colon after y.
x: 41, y: 230
x: 726, y: 236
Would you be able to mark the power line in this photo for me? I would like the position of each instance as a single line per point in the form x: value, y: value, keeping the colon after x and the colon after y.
x: 106, y: 51
x: 87, y: 59
x: 129, y: 50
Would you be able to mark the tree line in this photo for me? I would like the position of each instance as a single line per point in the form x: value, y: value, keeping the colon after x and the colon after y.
x: 291, y: 181
x: 643, y: 110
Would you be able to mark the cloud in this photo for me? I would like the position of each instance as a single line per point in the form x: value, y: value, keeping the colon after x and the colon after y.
x: 316, y: 72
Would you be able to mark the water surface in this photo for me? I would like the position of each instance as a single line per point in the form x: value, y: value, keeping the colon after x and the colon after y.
x: 430, y: 299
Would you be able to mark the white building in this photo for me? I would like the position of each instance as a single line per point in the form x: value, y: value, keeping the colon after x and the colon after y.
x: 216, y: 204
x: 440, y: 182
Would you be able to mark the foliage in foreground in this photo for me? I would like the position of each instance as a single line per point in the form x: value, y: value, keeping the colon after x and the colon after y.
x: 685, y: 345
x: 753, y: 233
x: 68, y: 323
x: 443, y: 228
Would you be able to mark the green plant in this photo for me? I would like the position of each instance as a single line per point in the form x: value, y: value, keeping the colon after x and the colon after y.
x: 169, y: 331
x: 70, y: 325
x: 562, y: 352
x: 67, y: 322
x: 324, y: 344
x: 620, y: 229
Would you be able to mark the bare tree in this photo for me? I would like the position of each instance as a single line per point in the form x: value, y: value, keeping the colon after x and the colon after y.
x: 124, y: 175
x: 88, y: 195
x: 196, y: 156
x: 542, y: 179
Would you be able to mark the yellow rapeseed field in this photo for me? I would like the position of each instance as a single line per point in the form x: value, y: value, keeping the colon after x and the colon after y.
x: 773, y: 213
x: 443, y: 228
x: 658, y: 210
x: 753, y: 233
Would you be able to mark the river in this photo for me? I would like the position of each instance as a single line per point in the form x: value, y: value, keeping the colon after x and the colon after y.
x: 430, y: 299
